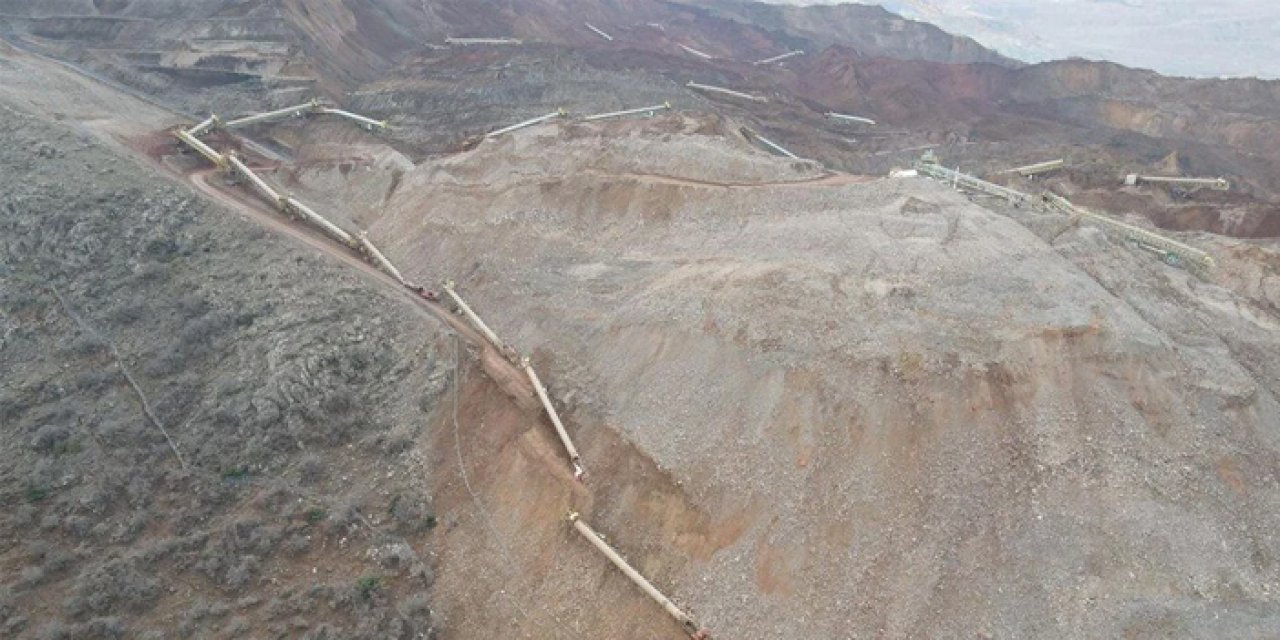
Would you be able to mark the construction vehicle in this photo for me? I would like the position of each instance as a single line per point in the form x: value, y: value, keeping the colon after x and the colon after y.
x: 423, y: 292
x: 1217, y: 184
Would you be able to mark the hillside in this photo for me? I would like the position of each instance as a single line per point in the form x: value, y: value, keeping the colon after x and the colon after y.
x: 812, y: 400
x: 188, y: 428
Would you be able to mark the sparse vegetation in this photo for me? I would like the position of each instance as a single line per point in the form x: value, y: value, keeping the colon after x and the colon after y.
x: 235, y: 473
x: 36, y: 494
x: 366, y: 586
x: 234, y: 348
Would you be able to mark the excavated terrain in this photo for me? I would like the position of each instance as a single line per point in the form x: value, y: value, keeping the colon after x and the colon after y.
x: 900, y: 413
x: 812, y: 401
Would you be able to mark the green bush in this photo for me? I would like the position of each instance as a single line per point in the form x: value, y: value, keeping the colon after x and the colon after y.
x: 235, y: 473
x: 368, y: 585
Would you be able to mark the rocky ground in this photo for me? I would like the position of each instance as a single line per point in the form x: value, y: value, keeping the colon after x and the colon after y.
x: 810, y: 403
x: 901, y: 413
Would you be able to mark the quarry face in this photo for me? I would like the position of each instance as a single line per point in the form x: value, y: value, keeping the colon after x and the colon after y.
x: 810, y: 399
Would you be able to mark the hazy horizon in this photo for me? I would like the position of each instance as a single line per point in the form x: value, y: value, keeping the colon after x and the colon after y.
x: 1200, y: 38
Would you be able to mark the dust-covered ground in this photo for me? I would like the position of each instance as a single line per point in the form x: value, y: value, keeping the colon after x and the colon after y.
x: 207, y: 431
x: 899, y: 413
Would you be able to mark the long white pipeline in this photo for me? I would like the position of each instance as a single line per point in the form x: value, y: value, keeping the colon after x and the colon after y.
x: 686, y: 621
x: 700, y: 54
x: 845, y: 116
x: 771, y: 144
x: 475, y: 319
x: 320, y: 221
x: 1188, y: 253
x: 728, y: 92
x: 600, y: 33
x: 367, y: 122
x: 555, y: 417
x: 1033, y: 169
x: 779, y: 58
x: 203, y: 149
x: 627, y: 112
x: 379, y: 258
x: 1220, y: 184
x: 204, y: 127
x: 960, y: 179
x: 527, y: 123
x: 265, y: 189
x: 294, y: 111
x: 470, y: 41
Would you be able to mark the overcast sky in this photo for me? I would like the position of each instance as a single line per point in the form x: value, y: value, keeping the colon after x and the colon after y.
x: 1179, y: 37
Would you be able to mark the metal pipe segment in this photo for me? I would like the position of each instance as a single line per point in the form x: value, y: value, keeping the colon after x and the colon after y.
x: 686, y: 621
x: 845, y: 116
x: 378, y: 257
x: 728, y: 92
x: 471, y: 41
x: 1187, y: 253
x: 527, y: 123
x: 598, y: 32
x: 203, y: 149
x: 296, y: 111
x: 320, y: 221
x: 700, y: 54
x: 627, y: 112
x: 1037, y: 168
x: 475, y: 319
x: 779, y: 58
x: 958, y: 179
x: 1219, y: 184
x: 209, y: 124
x: 369, y: 123
x: 769, y: 143
x: 265, y: 189
x: 555, y: 417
